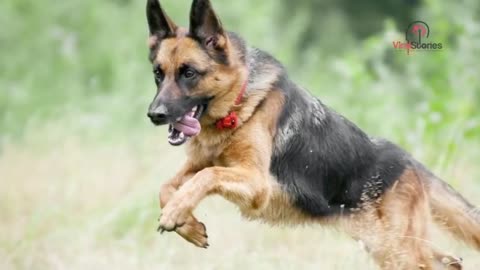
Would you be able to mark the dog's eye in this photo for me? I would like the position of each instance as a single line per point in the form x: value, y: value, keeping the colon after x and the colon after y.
x: 158, y: 73
x: 188, y: 72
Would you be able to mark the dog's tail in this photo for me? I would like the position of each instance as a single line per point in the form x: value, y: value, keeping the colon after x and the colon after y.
x: 454, y: 213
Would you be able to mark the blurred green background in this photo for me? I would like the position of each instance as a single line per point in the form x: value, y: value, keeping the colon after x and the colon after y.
x: 80, y: 164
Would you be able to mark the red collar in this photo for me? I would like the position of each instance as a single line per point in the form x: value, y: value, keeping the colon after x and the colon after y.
x: 231, y: 120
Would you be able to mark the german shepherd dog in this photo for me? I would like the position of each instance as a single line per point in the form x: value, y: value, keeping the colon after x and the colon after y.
x: 260, y: 141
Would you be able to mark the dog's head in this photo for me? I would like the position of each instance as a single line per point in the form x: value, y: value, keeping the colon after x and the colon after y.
x: 191, y: 68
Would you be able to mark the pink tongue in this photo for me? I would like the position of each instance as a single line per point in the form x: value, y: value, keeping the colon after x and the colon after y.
x: 188, y: 125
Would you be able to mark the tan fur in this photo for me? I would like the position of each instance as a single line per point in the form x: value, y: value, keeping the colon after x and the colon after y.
x: 279, y: 209
x: 451, y: 212
x: 395, y: 228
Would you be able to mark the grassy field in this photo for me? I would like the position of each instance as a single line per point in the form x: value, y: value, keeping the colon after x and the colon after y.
x: 80, y: 165
x: 71, y: 204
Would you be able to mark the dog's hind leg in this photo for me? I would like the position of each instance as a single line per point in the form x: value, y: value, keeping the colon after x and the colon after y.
x: 395, y: 227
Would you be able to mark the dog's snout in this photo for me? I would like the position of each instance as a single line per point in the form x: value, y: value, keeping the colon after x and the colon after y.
x: 158, y: 115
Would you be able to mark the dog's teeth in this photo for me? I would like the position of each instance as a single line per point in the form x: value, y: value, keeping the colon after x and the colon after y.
x: 195, y: 109
x: 179, y: 118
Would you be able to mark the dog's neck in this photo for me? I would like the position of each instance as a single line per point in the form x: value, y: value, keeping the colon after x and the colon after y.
x: 230, y: 121
x: 260, y: 79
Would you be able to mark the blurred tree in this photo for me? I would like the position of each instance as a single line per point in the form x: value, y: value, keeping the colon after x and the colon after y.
x: 363, y: 18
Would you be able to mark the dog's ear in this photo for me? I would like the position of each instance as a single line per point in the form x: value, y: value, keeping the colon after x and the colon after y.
x: 159, y: 23
x: 205, y: 26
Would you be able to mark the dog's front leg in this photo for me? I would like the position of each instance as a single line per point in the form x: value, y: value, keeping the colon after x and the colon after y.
x: 193, y: 231
x: 244, y: 186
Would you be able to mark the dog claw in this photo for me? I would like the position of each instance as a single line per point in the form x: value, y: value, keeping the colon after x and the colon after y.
x: 160, y: 229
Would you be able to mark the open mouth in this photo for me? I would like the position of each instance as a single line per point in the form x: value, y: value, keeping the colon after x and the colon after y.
x: 186, y: 126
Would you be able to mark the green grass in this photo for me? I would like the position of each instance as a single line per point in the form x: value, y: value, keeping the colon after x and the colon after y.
x: 80, y: 165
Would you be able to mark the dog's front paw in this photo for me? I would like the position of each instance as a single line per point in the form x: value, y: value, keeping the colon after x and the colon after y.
x: 172, y: 218
x: 194, y: 232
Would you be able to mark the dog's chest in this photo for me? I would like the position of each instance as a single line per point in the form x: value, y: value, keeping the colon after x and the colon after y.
x: 206, y: 151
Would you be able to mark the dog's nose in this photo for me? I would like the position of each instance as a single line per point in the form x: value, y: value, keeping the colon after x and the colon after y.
x: 159, y: 114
